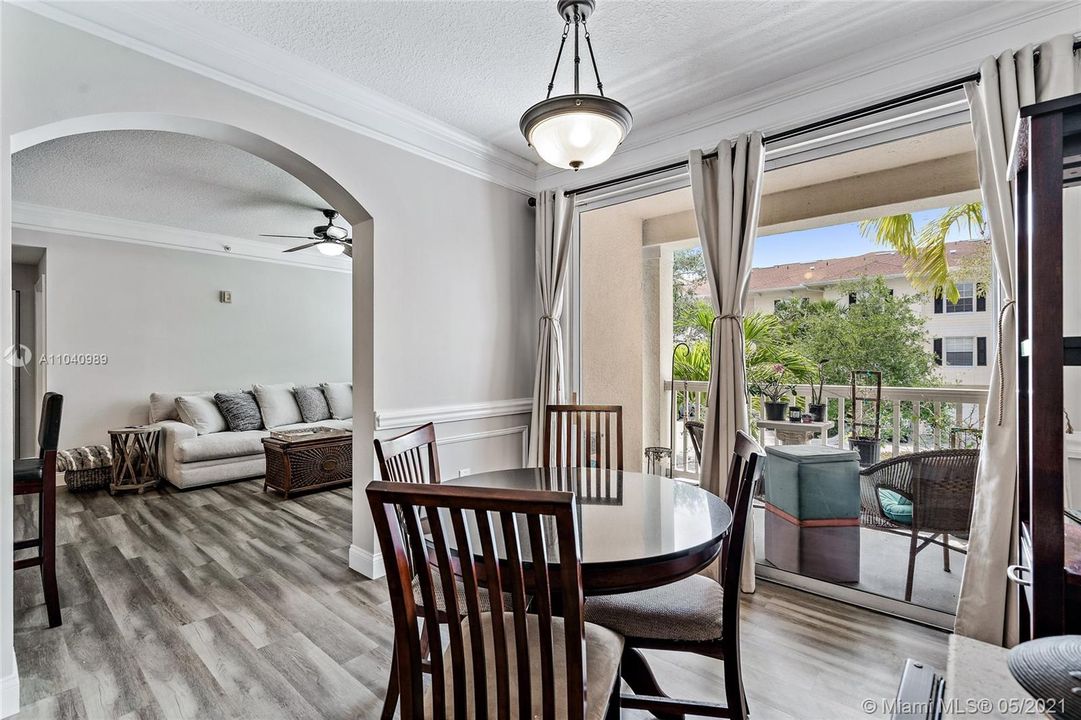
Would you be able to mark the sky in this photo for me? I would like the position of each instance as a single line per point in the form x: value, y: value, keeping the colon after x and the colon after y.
x: 830, y: 242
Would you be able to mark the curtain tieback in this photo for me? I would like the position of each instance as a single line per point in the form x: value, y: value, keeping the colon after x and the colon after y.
x: 998, y: 360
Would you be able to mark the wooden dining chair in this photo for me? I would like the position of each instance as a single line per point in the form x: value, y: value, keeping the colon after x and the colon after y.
x: 38, y: 476
x: 411, y: 457
x: 518, y: 659
x: 581, y: 436
x: 696, y: 614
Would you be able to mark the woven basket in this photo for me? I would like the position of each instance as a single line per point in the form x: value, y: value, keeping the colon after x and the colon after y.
x: 86, y: 468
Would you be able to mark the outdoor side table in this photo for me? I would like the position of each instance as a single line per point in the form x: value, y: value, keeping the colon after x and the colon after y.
x: 813, y: 511
x: 797, y: 433
x: 135, y: 458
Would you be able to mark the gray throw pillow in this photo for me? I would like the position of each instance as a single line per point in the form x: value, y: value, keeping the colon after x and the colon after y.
x: 313, y: 404
x: 240, y: 410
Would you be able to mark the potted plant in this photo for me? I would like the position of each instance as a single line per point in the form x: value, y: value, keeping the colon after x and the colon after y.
x: 817, y: 408
x: 773, y: 384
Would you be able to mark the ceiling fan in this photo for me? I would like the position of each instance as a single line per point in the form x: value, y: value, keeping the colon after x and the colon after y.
x: 330, y: 239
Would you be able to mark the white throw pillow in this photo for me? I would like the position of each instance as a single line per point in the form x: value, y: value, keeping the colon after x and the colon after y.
x: 277, y: 404
x: 340, y: 399
x: 201, y: 412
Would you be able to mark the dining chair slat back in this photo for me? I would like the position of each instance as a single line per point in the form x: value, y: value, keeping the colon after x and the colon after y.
x: 581, y: 436
x: 411, y: 457
x: 476, y: 538
x: 745, y: 465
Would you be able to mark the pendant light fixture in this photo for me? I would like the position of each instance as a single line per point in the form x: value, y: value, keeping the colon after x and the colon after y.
x: 579, y: 130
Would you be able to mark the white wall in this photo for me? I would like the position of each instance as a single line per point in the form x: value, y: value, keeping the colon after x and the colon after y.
x: 451, y: 255
x: 155, y: 314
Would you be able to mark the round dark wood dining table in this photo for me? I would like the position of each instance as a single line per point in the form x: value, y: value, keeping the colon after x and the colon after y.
x: 637, y: 531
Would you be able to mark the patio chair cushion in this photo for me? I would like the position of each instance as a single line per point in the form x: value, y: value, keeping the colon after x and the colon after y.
x: 689, y: 609
x: 895, y: 506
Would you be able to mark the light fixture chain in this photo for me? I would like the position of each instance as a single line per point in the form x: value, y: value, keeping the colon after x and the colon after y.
x: 562, y: 42
x: 593, y: 59
x: 577, y: 59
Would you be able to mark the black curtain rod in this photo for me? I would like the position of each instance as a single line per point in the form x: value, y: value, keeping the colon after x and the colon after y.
x: 930, y: 92
x: 933, y: 91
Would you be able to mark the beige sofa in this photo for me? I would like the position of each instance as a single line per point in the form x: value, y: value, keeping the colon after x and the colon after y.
x: 190, y: 459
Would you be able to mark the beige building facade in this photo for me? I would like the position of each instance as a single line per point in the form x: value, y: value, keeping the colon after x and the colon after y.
x: 961, y: 334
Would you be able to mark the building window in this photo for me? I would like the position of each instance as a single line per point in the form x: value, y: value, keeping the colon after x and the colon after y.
x: 966, y: 299
x: 959, y: 351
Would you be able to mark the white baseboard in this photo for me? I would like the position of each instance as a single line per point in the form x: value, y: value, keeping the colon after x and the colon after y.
x: 367, y: 564
x: 9, y: 690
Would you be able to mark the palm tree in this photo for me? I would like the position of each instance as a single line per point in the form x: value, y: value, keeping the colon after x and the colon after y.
x: 926, y: 264
x: 765, y: 347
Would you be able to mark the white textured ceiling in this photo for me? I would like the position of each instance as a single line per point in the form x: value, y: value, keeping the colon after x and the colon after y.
x: 477, y: 65
x: 168, y: 179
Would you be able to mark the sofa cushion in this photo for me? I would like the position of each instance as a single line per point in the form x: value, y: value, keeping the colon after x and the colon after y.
x: 332, y: 424
x: 339, y: 399
x: 313, y: 404
x: 277, y: 404
x: 241, y: 411
x: 201, y: 412
x: 163, y: 406
x: 220, y: 445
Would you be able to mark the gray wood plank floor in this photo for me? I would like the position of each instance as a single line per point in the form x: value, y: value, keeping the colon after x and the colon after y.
x: 228, y: 603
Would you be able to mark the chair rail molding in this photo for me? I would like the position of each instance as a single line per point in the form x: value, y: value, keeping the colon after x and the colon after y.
x: 41, y: 218
x: 185, y: 39
x: 439, y: 414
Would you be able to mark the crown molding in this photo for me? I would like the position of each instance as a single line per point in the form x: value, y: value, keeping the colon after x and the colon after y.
x: 908, y: 65
x: 27, y: 216
x: 185, y: 39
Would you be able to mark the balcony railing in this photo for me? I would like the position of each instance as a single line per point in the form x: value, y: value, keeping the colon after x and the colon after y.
x: 912, y: 419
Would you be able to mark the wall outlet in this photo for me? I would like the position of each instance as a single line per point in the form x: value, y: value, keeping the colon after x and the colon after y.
x: 225, y: 296
x: 464, y: 471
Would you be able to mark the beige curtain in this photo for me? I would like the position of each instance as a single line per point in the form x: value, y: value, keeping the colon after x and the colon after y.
x: 727, y: 194
x: 553, y: 241
x: 987, y: 605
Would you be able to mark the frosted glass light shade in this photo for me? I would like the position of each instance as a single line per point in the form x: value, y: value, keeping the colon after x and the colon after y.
x: 330, y: 249
x: 576, y: 131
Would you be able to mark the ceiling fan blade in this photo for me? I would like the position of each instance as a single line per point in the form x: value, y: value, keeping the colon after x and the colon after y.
x: 348, y: 251
x: 293, y: 237
x: 303, y: 247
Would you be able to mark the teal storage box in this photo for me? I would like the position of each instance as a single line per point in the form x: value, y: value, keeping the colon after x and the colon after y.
x: 812, y: 495
x: 813, y: 482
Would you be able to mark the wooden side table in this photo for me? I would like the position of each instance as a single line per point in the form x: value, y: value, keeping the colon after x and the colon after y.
x: 135, y: 458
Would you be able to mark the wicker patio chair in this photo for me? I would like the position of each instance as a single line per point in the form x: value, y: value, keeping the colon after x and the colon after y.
x: 926, y: 496
x: 697, y: 430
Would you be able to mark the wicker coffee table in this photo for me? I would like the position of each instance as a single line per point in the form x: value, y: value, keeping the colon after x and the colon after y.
x: 303, y: 460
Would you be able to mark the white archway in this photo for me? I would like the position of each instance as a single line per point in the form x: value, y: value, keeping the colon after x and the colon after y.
x: 322, y: 184
x: 363, y: 554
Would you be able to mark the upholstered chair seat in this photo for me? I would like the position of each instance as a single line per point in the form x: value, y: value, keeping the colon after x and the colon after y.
x: 688, y: 610
x: 441, y: 604
x: 603, y: 651
x: 28, y: 470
